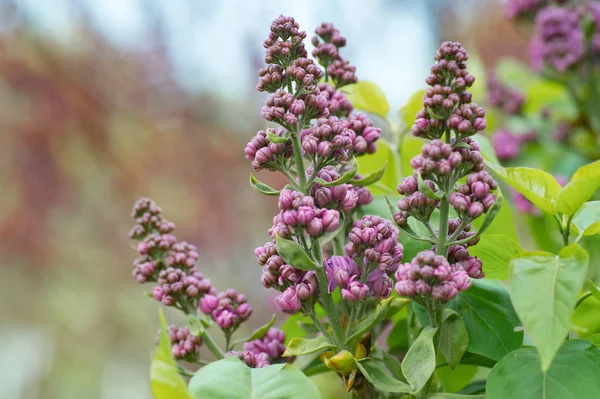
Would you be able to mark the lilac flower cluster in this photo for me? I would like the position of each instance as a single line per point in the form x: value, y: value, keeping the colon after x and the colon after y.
x: 337, y: 103
x: 298, y: 214
x: 263, y: 351
x: 328, y: 138
x: 165, y: 260
x: 372, y: 254
x: 441, y: 273
x: 447, y: 103
x: 148, y: 219
x: 523, y: 8
x: 184, y: 345
x: 228, y: 308
x: 430, y: 275
x: 267, y: 155
x: 285, y: 42
x: 475, y: 197
x: 559, y: 41
x: 327, y: 44
x: 343, y: 197
x: 297, y: 286
x: 366, y: 134
x: 506, y: 99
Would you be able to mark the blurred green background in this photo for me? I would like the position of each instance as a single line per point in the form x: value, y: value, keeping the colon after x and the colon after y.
x: 104, y: 102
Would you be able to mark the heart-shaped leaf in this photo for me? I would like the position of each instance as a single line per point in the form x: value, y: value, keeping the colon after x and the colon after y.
x: 495, y: 252
x: 573, y: 374
x: 231, y: 378
x: 419, y: 363
x: 555, y: 282
x: 587, y: 219
x: 367, y: 96
x: 454, y: 338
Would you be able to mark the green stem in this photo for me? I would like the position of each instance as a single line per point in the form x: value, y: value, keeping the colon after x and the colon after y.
x: 299, y: 161
x: 441, y: 248
x: 318, y: 324
x: 212, y: 345
x: 327, y: 302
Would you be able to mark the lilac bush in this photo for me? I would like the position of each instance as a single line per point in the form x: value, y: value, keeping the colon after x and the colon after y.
x: 384, y: 297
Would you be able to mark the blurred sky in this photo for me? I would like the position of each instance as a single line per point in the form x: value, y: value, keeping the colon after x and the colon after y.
x: 215, y: 45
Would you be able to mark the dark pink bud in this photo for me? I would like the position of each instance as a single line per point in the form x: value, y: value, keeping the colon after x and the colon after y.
x: 208, y: 304
x: 475, y: 209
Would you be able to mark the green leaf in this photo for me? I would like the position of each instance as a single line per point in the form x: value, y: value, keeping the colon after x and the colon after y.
x: 594, y: 289
x: 410, y: 146
x: 375, y: 317
x: 551, y: 96
x: 595, y: 339
x: 231, y: 378
x: 489, y: 318
x: 455, y: 380
x: 454, y: 338
x: 503, y: 223
x: 537, y: 186
x: 584, y: 183
x: 394, y: 366
x: 262, y: 187
x: 345, y: 178
x: 165, y: 381
x: 367, y: 96
x: 195, y: 325
x: 587, y: 219
x: 261, y: 331
x: 273, y: 138
x: 515, y: 74
x: 425, y: 189
x: 419, y: 363
x: 372, y: 163
x: 474, y: 388
x: 382, y: 381
x: 573, y: 374
x: 409, y: 111
x: 495, y: 252
x: 370, y: 178
x: 302, y: 346
x: 544, y: 289
x: 446, y: 395
x: 293, y: 254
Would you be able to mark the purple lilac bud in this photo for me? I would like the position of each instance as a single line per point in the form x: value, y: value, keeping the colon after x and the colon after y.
x: 341, y: 197
x: 508, y: 100
x: 228, y: 308
x: 449, y: 80
x: 184, y: 345
x: 148, y: 220
x: 416, y: 204
x: 337, y: 103
x: 146, y: 269
x: 328, y: 138
x: 267, y: 155
x: 304, y: 73
x: 253, y: 360
x: 272, y: 344
x: 367, y: 134
x: 475, y: 197
x: 181, y: 288
x: 558, y: 41
x: 506, y: 145
x: 342, y: 73
x: 285, y: 42
x: 289, y: 302
x: 355, y: 291
x: 374, y: 242
x: 429, y: 274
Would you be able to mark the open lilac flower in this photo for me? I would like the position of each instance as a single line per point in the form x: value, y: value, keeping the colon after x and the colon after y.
x: 506, y: 145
